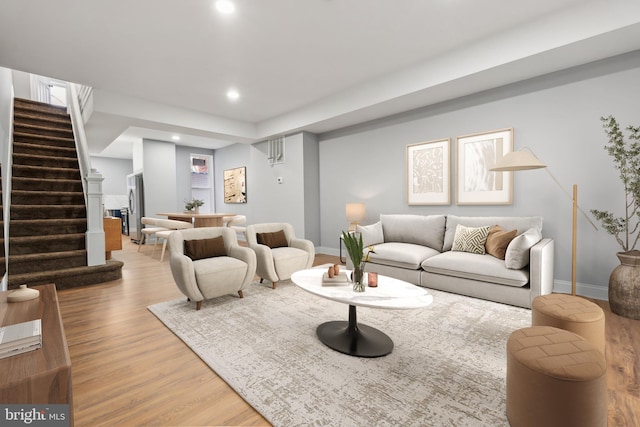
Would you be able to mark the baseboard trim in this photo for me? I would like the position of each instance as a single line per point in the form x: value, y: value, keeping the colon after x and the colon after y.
x: 584, y: 289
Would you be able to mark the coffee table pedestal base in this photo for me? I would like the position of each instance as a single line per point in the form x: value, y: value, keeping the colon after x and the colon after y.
x: 354, y: 339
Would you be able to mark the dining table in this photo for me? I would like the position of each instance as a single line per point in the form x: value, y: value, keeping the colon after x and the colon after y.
x: 198, y: 219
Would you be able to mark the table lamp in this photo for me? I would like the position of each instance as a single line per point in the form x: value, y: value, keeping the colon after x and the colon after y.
x: 355, y: 214
x: 525, y: 160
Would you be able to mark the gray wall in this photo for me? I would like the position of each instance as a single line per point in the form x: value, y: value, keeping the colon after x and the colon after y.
x: 114, y: 172
x: 268, y: 201
x: 159, y: 175
x: 557, y: 116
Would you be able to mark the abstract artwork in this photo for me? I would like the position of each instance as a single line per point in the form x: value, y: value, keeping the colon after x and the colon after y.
x: 428, y: 172
x: 476, y: 155
x: 235, y: 185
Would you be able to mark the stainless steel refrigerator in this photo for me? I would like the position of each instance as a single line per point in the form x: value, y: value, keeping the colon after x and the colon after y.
x: 135, y: 190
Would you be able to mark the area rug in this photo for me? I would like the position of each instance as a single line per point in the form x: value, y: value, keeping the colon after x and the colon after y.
x: 447, y: 368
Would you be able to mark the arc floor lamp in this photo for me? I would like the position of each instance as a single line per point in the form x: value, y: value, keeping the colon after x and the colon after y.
x: 524, y: 159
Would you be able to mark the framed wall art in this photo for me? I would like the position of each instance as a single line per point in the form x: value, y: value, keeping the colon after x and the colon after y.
x: 476, y: 154
x: 235, y: 185
x: 429, y: 172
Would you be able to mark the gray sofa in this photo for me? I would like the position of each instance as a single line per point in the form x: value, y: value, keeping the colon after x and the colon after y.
x: 418, y: 249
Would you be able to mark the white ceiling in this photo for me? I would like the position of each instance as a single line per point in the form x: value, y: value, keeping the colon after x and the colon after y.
x: 161, y: 67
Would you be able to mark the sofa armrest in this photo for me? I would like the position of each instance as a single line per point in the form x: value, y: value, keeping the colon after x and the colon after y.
x: 541, y: 268
x: 248, y: 256
x: 305, y: 245
x: 185, y: 276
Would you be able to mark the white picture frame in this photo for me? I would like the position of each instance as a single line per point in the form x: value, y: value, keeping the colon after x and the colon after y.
x: 429, y: 172
x: 476, y: 154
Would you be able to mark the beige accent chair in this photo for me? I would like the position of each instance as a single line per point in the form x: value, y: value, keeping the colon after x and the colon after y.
x: 210, y: 277
x: 276, y: 264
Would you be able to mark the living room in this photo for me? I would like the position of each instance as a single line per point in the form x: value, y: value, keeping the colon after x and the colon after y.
x: 556, y: 114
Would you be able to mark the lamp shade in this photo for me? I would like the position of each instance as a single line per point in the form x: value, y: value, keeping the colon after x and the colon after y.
x: 518, y: 161
x: 355, y: 211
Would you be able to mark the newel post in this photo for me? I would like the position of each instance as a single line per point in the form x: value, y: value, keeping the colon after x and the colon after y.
x: 94, y: 237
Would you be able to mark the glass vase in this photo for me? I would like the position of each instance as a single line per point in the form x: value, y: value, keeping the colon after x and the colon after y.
x: 358, y: 278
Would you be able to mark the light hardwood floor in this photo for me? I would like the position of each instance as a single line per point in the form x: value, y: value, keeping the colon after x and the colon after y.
x: 130, y: 370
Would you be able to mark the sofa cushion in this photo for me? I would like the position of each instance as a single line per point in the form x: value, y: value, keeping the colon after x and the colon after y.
x: 403, y: 255
x: 517, y: 255
x: 506, y: 222
x: 498, y: 240
x: 371, y: 234
x: 484, y: 268
x: 425, y: 230
x: 470, y: 239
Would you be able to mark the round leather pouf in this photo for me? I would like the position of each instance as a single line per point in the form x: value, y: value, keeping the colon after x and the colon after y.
x: 555, y: 378
x: 571, y: 313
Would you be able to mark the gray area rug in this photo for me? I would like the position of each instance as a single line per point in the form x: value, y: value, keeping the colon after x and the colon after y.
x: 447, y: 368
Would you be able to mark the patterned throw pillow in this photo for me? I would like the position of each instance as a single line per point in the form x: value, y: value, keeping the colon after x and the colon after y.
x: 470, y: 239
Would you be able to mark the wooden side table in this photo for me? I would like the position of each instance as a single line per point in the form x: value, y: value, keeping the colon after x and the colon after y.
x: 112, y: 235
x: 40, y: 376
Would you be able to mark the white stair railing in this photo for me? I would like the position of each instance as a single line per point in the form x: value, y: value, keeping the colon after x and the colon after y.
x: 91, y: 183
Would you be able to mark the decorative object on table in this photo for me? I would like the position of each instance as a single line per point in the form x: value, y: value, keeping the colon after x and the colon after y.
x: 193, y: 205
x: 23, y: 293
x: 334, y: 277
x: 355, y: 213
x: 235, y: 185
x: 429, y: 172
x: 355, y: 248
x: 524, y: 159
x: 477, y: 155
x: 372, y: 280
x: 624, y: 282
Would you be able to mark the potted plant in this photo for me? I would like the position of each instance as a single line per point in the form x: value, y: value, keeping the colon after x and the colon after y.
x: 194, y: 204
x: 355, y: 248
x: 624, y: 282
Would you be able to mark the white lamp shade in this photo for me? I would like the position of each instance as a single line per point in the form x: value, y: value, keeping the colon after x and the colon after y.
x: 355, y: 211
x: 518, y: 161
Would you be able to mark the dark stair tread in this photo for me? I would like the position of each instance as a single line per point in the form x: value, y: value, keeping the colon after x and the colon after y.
x: 40, y: 193
x: 26, y: 156
x: 46, y: 255
x: 18, y: 135
x: 75, y: 276
x: 32, y: 115
x: 40, y: 168
x: 38, y: 106
x: 43, y: 126
x: 45, y: 237
x: 36, y: 180
x: 52, y: 148
x: 60, y: 207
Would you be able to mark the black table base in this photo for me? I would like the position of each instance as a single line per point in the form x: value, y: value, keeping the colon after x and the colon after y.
x: 354, y: 339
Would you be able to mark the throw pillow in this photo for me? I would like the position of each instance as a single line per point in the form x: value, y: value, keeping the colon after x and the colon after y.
x: 517, y: 256
x: 276, y: 239
x: 204, y: 248
x: 470, y: 239
x: 498, y: 240
x: 371, y: 234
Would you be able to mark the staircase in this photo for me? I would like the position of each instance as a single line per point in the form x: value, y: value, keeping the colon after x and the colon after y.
x: 48, y: 217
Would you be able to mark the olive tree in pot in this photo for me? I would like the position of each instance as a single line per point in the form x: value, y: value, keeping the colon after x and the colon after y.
x: 624, y: 282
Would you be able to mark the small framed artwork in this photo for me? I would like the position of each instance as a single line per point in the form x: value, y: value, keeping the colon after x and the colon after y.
x: 476, y: 155
x: 235, y: 185
x: 429, y: 172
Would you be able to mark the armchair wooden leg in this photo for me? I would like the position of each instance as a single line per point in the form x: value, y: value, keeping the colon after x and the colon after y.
x: 261, y: 279
x: 273, y: 285
x: 240, y: 293
x: 198, y: 305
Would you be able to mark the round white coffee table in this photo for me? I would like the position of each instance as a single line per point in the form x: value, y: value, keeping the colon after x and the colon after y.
x: 350, y: 337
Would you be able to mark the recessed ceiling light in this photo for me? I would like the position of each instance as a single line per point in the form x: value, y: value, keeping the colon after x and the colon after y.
x: 233, y: 94
x: 175, y: 137
x: 225, y: 6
